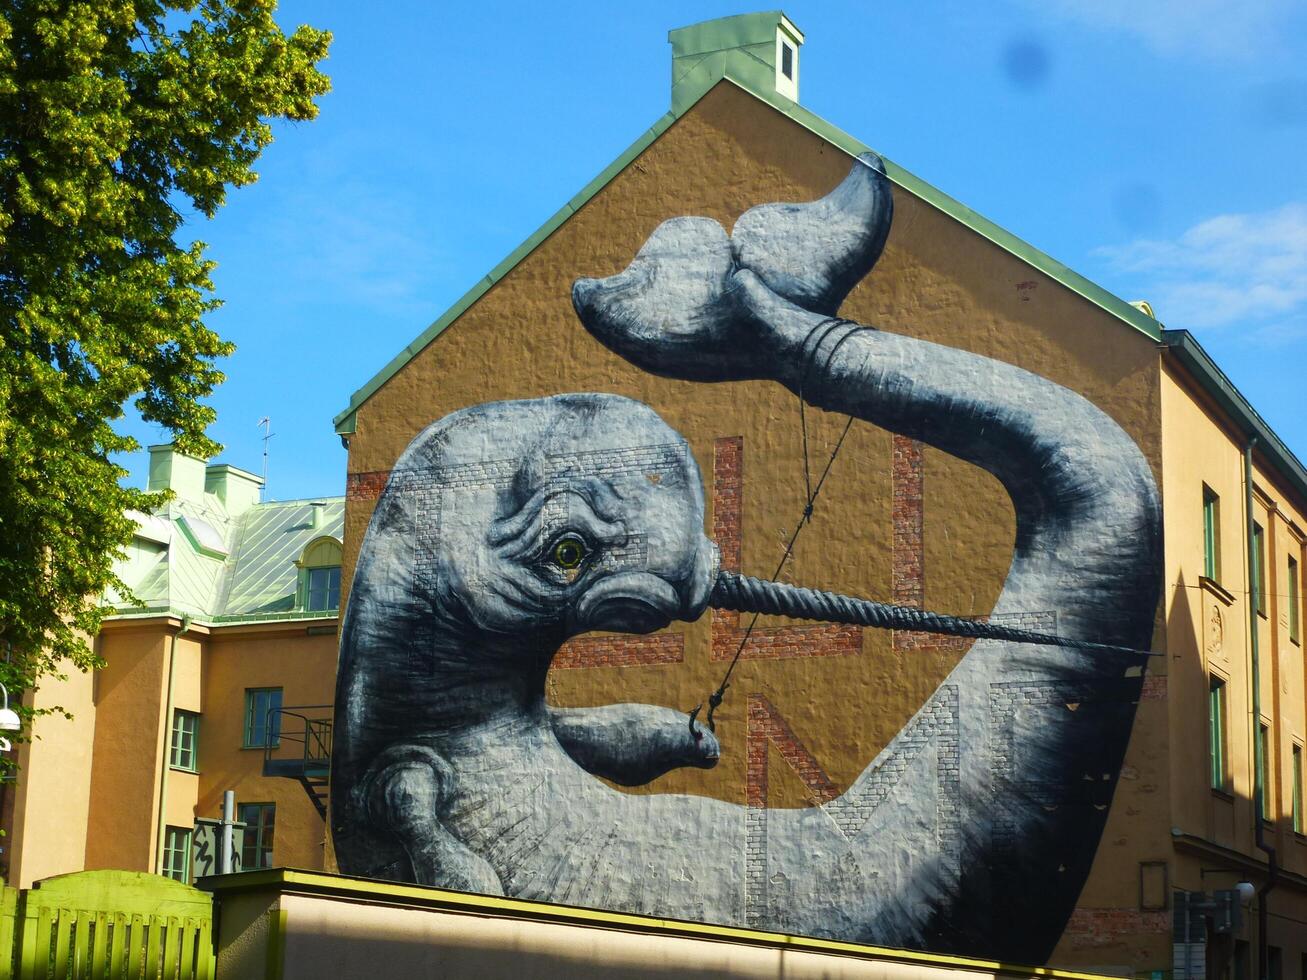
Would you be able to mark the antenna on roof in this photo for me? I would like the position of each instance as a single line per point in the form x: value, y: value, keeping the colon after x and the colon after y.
x: 266, y: 422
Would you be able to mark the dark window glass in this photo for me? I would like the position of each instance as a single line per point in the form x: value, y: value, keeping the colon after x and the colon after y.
x: 184, y: 750
x: 787, y: 61
x: 1216, y: 731
x: 177, y: 853
x: 259, y: 820
x: 1211, y: 535
x: 324, y: 588
x: 1264, y: 768
x: 1259, y: 568
x: 262, y: 721
x: 1295, y: 599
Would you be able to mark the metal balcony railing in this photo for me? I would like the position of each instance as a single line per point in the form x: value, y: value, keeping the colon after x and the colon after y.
x: 301, y: 749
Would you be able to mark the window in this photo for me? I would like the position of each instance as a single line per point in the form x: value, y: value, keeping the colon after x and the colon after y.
x: 259, y: 819
x: 787, y: 60
x: 324, y: 588
x: 1295, y: 599
x: 1216, y: 731
x: 1264, y: 767
x: 1297, y: 790
x: 185, y: 733
x: 319, y: 575
x: 262, y: 721
x: 1211, y: 535
x: 177, y: 853
x: 1259, y: 568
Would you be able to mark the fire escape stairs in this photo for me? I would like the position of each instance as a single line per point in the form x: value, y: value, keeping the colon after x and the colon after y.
x: 300, y: 749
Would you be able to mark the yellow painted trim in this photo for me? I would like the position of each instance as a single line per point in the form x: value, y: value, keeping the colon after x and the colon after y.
x: 291, y: 881
x: 275, y: 966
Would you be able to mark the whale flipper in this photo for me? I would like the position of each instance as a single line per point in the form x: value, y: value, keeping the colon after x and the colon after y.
x: 403, y: 791
x: 633, y: 744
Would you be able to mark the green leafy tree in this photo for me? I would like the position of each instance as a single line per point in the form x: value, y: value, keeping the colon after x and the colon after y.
x: 115, y: 118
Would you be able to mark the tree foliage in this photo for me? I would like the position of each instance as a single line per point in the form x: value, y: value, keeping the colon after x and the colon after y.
x: 115, y: 117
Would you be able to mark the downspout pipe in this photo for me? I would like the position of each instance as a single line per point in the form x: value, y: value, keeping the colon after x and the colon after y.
x: 1259, y: 763
x: 162, y: 823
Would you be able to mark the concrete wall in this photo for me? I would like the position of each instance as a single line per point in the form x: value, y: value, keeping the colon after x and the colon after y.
x: 316, y: 925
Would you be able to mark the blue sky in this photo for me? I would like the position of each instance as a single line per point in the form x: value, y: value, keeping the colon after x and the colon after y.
x: 1156, y: 146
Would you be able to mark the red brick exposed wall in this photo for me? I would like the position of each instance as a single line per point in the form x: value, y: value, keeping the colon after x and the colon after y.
x: 908, y: 553
x: 767, y: 728
x: 621, y: 651
x: 775, y: 643
x: 1089, y: 928
x: 366, y: 486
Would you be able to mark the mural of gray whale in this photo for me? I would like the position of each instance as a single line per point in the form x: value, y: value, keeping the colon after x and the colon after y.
x: 507, y: 528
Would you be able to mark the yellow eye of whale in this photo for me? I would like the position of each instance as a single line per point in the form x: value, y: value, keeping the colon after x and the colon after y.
x: 569, y: 553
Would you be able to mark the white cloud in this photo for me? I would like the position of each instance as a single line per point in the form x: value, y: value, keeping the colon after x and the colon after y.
x: 1234, y: 270
x: 1207, y: 28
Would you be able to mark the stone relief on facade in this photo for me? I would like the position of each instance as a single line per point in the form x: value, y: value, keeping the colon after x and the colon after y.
x: 508, y: 528
x: 1215, y: 630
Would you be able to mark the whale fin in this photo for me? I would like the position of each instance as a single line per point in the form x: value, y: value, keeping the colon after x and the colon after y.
x: 403, y: 791
x: 814, y: 254
x: 633, y: 744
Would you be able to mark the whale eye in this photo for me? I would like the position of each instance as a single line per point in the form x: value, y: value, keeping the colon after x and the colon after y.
x: 568, y: 552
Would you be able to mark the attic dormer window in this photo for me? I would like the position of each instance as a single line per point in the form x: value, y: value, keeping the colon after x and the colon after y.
x: 787, y: 61
x: 323, y: 589
x: 320, y: 575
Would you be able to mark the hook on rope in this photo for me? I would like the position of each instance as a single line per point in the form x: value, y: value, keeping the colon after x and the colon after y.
x: 695, y: 733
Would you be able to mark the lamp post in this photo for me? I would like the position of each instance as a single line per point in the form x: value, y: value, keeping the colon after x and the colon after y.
x: 9, y: 720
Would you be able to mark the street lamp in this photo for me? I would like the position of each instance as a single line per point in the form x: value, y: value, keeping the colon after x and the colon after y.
x: 9, y: 720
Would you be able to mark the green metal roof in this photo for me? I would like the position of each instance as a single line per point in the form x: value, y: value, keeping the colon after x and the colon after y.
x: 237, y: 568
x: 732, y: 50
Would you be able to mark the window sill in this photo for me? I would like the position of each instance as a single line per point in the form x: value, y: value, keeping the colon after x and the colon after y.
x: 1218, y: 590
x: 260, y: 748
x: 1222, y: 794
x: 193, y: 772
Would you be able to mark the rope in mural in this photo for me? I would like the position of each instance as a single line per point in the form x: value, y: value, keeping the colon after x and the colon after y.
x: 810, y: 501
x: 743, y: 593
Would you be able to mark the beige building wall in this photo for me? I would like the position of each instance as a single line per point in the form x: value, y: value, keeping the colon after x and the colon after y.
x: 298, y: 925
x: 129, y: 743
x: 54, y: 765
x: 1208, y: 630
x: 89, y: 790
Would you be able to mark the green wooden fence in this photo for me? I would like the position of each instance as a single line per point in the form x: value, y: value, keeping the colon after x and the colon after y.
x: 106, y: 925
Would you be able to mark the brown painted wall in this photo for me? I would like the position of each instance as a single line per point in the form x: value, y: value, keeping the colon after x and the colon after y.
x: 129, y: 739
x: 809, y: 706
x: 305, y: 668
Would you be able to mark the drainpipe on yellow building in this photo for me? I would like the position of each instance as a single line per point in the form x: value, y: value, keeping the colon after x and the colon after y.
x: 162, y: 822
x: 1259, y: 790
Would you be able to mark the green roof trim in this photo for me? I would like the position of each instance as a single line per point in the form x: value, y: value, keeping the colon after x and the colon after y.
x: 1199, y: 363
x: 698, y: 66
x: 127, y: 613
